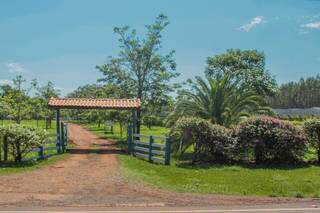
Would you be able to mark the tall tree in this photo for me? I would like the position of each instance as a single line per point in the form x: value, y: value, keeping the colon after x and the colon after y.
x: 15, y: 99
x: 44, y: 93
x: 247, y: 67
x: 140, y: 68
x: 304, y: 93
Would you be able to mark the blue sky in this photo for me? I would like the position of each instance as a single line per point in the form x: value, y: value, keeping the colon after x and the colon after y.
x: 63, y: 41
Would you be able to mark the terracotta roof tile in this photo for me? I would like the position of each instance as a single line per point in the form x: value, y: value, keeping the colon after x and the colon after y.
x: 86, y: 103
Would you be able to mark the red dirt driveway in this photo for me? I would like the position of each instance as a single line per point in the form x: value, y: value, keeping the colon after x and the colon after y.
x: 89, y: 176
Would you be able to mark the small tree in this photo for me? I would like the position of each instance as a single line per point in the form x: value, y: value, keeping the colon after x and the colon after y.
x: 21, y: 139
x: 312, y: 128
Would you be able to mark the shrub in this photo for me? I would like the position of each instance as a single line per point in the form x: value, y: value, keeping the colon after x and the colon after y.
x: 21, y: 139
x: 270, y: 140
x: 312, y: 128
x: 210, y: 142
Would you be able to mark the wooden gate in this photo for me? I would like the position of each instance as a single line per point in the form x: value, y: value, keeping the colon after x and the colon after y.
x: 149, y: 147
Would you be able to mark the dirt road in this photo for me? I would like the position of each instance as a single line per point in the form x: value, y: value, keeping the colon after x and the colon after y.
x: 90, y: 177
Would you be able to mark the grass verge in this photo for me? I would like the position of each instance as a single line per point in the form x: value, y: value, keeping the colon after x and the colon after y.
x: 227, y: 180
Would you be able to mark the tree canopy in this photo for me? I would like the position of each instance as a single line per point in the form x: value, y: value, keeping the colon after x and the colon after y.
x: 140, y: 68
x: 245, y: 66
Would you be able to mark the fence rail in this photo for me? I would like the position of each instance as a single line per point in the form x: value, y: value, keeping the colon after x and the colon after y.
x: 144, y: 146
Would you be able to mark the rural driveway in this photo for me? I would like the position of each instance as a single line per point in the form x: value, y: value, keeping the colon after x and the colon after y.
x: 90, y: 177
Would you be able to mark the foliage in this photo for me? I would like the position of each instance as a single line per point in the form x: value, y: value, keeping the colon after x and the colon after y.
x: 140, y: 68
x: 270, y: 140
x: 301, y: 94
x: 15, y: 100
x: 219, y: 100
x: 210, y: 142
x: 152, y: 120
x: 17, y: 103
x: 312, y: 128
x: 247, y: 67
x: 21, y: 139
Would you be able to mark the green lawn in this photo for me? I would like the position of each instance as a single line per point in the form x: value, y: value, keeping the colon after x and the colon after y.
x: 100, y: 131
x: 217, y: 179
x: 229, y: 180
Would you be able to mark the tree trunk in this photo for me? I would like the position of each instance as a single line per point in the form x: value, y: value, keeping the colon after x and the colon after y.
x: 19, y: 155
x: 120, y: 123
x: 46, y: 123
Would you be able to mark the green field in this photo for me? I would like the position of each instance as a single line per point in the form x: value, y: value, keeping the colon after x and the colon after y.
x: 219, y: 179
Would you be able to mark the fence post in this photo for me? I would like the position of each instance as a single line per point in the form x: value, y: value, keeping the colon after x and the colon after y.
x: 151, y: 140
x: 129, y: 139
x: 5, y: 149
x: 58, y: 143
x: 63, y: 128
x: 41, y: 153
x: 66, y: 135
x: 167, y: 151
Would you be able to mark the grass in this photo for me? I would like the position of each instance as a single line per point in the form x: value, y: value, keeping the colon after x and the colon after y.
x: 227, y: 180
x: 219, y: 179
x: 121, y: 140
x: 9, y: 168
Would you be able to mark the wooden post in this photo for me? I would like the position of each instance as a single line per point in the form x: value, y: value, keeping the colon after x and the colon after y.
x: 66, y: 134
x: 62, y: 137
x: 41, y: 153
x: 129, y: 139
x: 151, y: 140
x: 58, y: 143
x: 167, y: 151
x: 134, y: 121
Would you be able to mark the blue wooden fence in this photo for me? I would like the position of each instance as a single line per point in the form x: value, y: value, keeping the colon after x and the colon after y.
x: 149, y: 147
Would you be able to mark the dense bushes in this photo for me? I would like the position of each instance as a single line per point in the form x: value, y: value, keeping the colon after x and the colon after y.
x: 312, y: 128
x: 270, y: 140
x: 209, y: 142
x: 261, y: 139
x: 21, y: 139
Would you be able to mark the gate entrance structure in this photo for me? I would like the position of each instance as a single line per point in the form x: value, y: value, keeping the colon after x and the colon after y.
x: 86, y: 103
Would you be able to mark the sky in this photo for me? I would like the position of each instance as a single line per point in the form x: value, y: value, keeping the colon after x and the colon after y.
x: 63, y: 40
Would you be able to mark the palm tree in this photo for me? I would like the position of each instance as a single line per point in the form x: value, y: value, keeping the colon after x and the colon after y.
x: 219, y: 100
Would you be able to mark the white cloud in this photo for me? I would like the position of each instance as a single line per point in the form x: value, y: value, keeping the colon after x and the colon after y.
x: 253, y: 23
x: 302, y: 31
x: 312, y: 25
x: 5, y: 82
x: 15, y: 68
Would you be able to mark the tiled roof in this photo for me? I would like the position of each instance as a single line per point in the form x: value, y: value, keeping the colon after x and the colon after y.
x: 87, y: 103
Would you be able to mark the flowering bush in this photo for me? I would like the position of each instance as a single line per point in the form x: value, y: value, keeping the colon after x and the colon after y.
x: 210, y: 142
x: 312, y: 128
x: 21, y: 139
x: 269, y: 139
